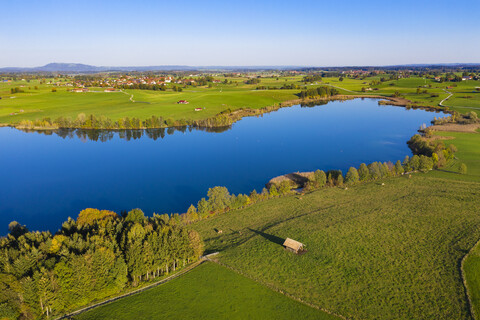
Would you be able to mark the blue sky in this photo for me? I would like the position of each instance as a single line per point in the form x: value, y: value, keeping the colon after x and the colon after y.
x: 200, y: 33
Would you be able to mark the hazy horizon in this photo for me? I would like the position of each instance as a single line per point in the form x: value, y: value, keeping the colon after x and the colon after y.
x: 250, y: 33
x: 245, y: 66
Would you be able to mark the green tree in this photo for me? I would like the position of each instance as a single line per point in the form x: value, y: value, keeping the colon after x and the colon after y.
x: 425, y: 163
x: 406, y: 164
x: 218, y: 198
x: 374, y: 170
x: 339, y: 179
x: 284, y: 187
x: 363, y: 172
x: 398, y: 168
x: 192, y: 213
x: 254, y: 196
x: 330, y: 180
x: 196, y: 244
x: 435, y: 159
x: 352, y: 176
x: 135, y: 215
x: 16, y: 229
x: 320, y: 178
x: 273, y: 191
x: 414, y: 162
x: 203, y: 208
x: 463, y: 168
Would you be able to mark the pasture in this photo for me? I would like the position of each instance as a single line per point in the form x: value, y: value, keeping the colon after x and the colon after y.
x: 37, y: 100
x: 374, y: 252
x: 209, y: 291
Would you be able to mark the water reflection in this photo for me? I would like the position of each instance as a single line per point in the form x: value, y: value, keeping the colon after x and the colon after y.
x: 48, y: 176
x: 127, y: 135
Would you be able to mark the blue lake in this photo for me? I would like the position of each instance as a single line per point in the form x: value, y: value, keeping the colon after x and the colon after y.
x: 47, y: 177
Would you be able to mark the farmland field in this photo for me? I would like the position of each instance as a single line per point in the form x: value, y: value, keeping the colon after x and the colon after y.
x: 208, y: 292
x: 37, y: 101
x: 374, y: 252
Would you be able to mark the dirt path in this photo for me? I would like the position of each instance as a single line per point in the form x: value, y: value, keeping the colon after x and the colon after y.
x: 441, y: 102
x: 131, y: 95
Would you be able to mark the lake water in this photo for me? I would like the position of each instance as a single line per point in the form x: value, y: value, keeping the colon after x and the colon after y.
x: 45, y: 178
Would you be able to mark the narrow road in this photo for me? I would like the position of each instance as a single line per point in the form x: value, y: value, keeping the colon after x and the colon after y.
x: 131, y: 96
x: 441, y: 102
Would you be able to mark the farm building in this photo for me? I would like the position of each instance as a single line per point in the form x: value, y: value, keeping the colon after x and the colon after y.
x: 182, y: 102
x: 109, y: 90
x: 80, y: 90
x: 293, y: 245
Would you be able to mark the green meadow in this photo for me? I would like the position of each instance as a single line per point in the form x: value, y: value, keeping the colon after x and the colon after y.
x: 40, y: 103
x: 209, y: 291
x: 374, y: 252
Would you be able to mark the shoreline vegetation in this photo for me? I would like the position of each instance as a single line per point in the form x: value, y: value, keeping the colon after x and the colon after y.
x: 222, y: 120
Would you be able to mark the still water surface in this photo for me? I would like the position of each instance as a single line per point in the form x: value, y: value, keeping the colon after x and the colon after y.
x: 45, y: 178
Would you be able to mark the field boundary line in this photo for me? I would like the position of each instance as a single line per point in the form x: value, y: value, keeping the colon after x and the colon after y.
x: 465, y: 284
x: 274, y: 288
x: 155, y: 284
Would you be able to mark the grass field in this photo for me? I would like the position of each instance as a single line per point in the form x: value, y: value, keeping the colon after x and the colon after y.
x: 208, y: 292
x: 42, y: 102
x: 472, y: 273
x: 116, y: 105
x: 468, y: 145
x: 374, y: 252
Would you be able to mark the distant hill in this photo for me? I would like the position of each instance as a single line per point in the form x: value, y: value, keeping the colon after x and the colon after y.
x: 85, y: 68
x: 69, y: 67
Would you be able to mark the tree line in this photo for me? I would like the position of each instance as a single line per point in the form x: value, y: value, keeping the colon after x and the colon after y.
x: 283, y: 87
x: 427, y: 156
x: 98, y: 255
x: 91, y: 121
x: 145, y: 86
x: 322, y: 91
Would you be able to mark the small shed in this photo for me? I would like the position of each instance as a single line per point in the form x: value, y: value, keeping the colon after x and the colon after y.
x: 293, y: 245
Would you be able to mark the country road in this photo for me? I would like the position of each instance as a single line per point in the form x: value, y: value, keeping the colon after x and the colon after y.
x: 131, y: 96
x: 441, y: 102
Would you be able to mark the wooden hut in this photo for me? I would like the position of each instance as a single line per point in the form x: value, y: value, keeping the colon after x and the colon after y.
x: 293, y: 245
